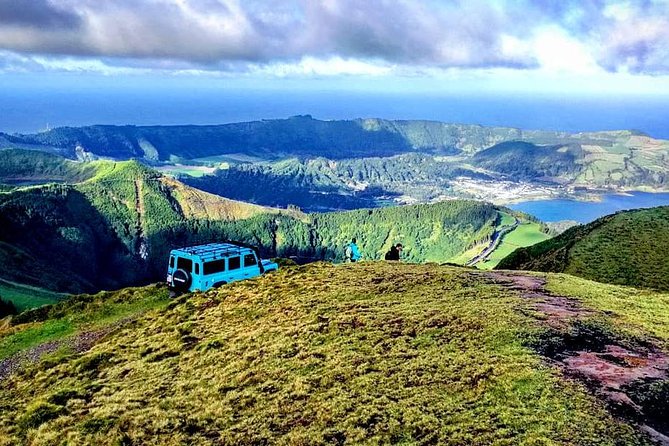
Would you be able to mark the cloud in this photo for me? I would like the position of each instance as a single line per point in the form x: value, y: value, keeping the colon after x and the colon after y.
x: 316, y: 37
x: 36, y: 14
x: 16, y: 63
x: 636, y: 38
x: 210, y: 31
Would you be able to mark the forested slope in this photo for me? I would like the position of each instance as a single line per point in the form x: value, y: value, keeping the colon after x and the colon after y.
x: 627, y: 248
x: 116, y: 229
x: 24, y: 167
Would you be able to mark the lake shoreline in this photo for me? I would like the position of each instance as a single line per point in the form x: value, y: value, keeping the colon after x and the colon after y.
x: 584, y: 211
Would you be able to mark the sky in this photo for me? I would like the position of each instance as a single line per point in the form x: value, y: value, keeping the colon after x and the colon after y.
x: 595, y: 47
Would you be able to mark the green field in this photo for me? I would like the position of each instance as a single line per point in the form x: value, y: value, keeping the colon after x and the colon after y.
x: 525, y: 234
x: 183, y: 169
x: 506, y: 219
x: 466, y: 256
x: 25, y: 297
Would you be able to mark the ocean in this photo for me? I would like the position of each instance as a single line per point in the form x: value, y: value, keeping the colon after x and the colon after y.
x: 28, y: 110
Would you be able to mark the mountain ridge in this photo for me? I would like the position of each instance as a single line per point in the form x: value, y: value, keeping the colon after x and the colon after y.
x: 400, y: 161
x: 405, y: 135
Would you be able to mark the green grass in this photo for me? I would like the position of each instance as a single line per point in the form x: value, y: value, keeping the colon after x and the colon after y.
x: 79, y: 313
x: 627, y: 248
x: 506, y: 219
x: 639, y: 313
x: 25, y: 297
x: 29, y: 167
x: 366, y: 353
x: 466, y: 256
x: 525, y: 234
x: 30, y: 337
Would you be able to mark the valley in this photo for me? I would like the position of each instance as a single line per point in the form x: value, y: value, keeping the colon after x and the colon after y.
x: 333, y: 165
x: 114, y: 226
x: 334, y: 223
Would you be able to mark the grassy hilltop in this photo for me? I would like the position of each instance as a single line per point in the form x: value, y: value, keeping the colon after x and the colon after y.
x: 627, y: 248
x: 321, y: 354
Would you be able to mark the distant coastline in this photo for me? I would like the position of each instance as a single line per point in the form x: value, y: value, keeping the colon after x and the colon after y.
x: 23, y: 110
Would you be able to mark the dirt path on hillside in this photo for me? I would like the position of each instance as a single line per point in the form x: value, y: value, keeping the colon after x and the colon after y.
x: 633, y: 380
x: 78, y: 343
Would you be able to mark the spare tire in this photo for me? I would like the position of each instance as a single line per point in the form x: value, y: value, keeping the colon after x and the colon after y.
x: 181, y: 280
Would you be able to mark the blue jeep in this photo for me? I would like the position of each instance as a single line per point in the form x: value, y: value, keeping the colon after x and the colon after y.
x: 200, y: 268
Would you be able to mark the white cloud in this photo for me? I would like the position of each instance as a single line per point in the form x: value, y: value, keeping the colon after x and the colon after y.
x: 558, y: 52
x: 333, y: 66
x: 338, y: 37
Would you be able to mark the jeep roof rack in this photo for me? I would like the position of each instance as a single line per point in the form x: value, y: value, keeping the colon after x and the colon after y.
x: 212, y: 251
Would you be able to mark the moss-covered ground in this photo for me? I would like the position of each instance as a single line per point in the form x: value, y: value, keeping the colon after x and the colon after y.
x: 363, y: 353
x: 636, y: 312
x: 76, y: 315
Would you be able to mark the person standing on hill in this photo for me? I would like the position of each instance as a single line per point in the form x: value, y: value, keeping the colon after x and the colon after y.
x: 352, y: 253
x: 394, y: 253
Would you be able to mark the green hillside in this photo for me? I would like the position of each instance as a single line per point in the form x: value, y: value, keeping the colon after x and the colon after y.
x: 112, y: 230
x: 628, y: 248
x: 524, y: 160
x: 370, y: 353
x: 25, y: 167
x: 116, y: 228
x: 526, y: 234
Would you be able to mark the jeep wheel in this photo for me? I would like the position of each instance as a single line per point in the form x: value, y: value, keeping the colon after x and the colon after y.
x: 181, y: 280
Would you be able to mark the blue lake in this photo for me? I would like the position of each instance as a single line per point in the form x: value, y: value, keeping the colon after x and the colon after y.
x: 587, y: 211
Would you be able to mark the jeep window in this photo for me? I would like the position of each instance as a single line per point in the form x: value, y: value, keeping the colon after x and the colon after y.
x: 213, y: 267
x: 171, y: 261
x: 197, y: 268
x: 233, y: 263
x: 250, y: 260
x: 185, y: 264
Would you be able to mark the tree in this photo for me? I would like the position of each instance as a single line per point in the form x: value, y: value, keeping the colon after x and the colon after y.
x: 7, y: 307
